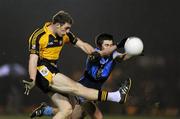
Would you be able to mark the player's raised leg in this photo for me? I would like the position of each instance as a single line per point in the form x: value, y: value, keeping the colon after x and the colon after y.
x: 117, y: 96
x: 124, y: 90
x: 63, y: 84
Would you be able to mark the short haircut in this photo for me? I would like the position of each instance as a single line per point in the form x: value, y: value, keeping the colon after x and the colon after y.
x: 62, y: 17
x: 101, y: 37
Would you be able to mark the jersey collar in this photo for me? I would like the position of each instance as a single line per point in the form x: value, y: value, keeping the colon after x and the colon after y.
x: 47, y: 30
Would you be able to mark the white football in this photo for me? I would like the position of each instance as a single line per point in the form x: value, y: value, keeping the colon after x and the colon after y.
x: 133, y: 46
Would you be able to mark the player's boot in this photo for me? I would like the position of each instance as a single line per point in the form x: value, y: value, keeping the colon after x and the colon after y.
x: 124, y: 90
x: 38, y: 112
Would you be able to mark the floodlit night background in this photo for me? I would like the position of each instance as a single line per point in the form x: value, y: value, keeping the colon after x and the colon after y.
x: 156, y: 76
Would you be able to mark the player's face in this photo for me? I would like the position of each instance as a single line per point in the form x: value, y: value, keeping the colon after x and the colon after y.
x: 107, y: 44
x: 61, y: 30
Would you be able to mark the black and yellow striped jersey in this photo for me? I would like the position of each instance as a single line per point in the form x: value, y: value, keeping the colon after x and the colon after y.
x: 46, y: 44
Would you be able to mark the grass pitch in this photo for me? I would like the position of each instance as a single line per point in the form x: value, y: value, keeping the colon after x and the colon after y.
x: 106, y: 117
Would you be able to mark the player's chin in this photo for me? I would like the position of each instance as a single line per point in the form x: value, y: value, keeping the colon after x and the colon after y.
x: 61, y: 34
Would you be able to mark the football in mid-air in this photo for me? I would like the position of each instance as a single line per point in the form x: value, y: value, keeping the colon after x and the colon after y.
x: 133, y: 46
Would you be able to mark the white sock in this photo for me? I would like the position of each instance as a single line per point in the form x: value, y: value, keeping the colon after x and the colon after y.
x: 114, y: 96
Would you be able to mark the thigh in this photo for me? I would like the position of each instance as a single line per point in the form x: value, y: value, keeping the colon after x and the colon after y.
x: 78, y: 112
x: 89, y: 107
x: 44, y: 76
x: 42, y: 83
x: 61, y: 101
x: 92, y: 110
x: 63, y: 83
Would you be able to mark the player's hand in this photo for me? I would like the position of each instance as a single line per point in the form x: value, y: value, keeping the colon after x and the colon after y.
x: 121, y: 43
x: 28, y: 85
x: 72, y: 37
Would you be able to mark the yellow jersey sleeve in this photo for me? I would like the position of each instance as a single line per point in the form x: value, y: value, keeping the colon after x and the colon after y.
x: 34, y: 44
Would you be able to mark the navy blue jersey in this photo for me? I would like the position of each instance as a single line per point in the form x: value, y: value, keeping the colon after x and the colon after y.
x: 96, y: 73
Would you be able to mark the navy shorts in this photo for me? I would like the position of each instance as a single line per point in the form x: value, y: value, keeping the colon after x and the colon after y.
x: 90, y: 83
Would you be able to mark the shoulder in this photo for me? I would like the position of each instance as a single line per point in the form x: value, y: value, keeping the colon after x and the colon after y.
x: 37, y: 34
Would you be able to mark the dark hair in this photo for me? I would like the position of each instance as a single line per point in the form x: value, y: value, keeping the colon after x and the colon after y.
x: 101, y: 37
x: 62, y: 17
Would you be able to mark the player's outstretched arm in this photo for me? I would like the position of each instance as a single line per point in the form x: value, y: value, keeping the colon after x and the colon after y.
x: 108, y: 51
x: 30, y: 83
x: 86, y: 47
x: 118, y: 45
x: 122, y: 57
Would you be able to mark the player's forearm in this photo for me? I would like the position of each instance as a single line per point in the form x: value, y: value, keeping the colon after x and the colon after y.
x: 87, y: 48
x: 108, y: 51
x: 127, y: 57
x: 124, y: 57
x: 33, y: 66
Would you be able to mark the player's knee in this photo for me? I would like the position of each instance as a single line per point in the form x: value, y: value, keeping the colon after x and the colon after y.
x: 65, y: 113
x: 65, y: 85
x: 68, y: 111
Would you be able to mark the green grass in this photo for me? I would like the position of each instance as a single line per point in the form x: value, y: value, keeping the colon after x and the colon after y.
x: 106, y: 117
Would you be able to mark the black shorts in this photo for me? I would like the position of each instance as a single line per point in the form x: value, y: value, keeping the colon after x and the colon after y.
x: 45, y: 72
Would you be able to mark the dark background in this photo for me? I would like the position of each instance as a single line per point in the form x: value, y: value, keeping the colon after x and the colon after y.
x: 155, y: 22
